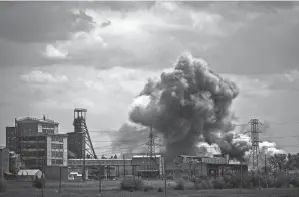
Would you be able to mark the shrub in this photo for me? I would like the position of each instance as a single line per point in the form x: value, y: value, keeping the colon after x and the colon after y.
x: 129, y: 183
x: 2, y: 186
x: 218, y: 183
x: 38, y: 183
x: 170, y: 177
x: 147, y: 188
x: 294, y: 181
x: 160, y: 189
x: 203, y: 184
x: 179, y: 185
x: 282, y: 181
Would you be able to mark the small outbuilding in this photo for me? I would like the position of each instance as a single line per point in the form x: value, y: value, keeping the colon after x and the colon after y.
x: 30, y: 174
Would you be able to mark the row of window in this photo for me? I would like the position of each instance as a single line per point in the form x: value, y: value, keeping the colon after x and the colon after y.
x: 57, y: 161
x: 57, y: 154
x: 56, y: 146
x: 48, y: 131
x: 57, y: 138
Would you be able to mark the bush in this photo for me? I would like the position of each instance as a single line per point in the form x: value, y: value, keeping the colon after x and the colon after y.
x: 179, y: 185
x: 282, y: 181
x: 203, y: 184
x: 218, y: 183
x: 38, y: 183
x: 294, y: 181
x: 160, y: 189
x: 129, y: 183
x: 147, y: 188
x: 170, y: 177
x: 2, y: 186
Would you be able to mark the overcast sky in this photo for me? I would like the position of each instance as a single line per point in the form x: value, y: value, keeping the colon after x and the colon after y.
x: 56, y: 56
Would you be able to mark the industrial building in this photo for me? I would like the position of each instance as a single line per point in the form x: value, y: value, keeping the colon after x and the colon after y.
x: 4, y: 161
x: 140, y: 165
x: 39, y: 145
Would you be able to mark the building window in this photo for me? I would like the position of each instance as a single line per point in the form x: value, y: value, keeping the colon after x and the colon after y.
x: 56, y: 146
x: 57, y: 139
x: 57, y: 161
x: 57, y: 154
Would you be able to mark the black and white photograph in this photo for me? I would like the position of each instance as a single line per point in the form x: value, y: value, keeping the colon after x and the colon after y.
x: 149, y: 98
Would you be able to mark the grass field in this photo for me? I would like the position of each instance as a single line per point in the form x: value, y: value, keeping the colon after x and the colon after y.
x: 111, y: 189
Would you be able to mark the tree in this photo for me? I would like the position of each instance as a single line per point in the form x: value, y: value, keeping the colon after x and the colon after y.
x: 293, y: 161
x: 103, y: 157
x: 278, y: 162
x: 115, y: 156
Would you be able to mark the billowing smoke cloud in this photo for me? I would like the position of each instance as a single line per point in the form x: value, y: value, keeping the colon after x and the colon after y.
x: 269, y: 148
x: 190, y: 106
x: 207, y: 150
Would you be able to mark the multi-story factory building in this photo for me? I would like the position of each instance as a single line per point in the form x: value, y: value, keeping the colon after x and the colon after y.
x: 39, y: 145
x: 44, y: 150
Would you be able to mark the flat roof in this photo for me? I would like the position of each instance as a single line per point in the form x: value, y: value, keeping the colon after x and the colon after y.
x: 37, y: 120
x: 80, y: 110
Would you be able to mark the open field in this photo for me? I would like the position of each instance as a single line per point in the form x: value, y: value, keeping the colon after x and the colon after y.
x: 111, y: 189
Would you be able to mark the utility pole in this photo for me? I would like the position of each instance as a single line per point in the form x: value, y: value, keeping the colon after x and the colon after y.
x: 241, y: 184
x: 2, y: 178
x: 100, y: 180
x: 164, y: 166
x: 43, y: 171
x: 265, y: 164
x: 84, y: 161
x: 60, y: 179
x: 124, y: 164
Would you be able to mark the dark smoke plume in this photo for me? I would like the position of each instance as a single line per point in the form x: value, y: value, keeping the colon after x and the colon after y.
x: 189, y: 105
x: 130, y: 138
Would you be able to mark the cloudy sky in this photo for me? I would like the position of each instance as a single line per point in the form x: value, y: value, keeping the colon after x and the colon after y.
x: 56, y: 56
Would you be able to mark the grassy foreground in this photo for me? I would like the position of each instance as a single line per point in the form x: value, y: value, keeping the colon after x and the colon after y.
x: 111, y: 189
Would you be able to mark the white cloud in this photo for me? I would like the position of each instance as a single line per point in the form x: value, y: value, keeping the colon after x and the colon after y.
x: 141, y: 37
x: 53, y: 52
x: 38, y: 76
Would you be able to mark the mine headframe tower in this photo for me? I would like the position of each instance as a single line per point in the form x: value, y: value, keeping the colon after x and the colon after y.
x: 80, y: 126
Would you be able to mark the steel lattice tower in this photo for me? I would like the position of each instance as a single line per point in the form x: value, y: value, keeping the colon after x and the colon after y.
x: 151, y: 150
x: 255, y: 143
x: 81, y: 127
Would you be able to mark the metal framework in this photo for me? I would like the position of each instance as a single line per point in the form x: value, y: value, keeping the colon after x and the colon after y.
x: 151, y: 151
x: 81, y: 126
x: 255, y: 143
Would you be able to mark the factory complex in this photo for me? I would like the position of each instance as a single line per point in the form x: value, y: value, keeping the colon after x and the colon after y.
x: 37, y: 144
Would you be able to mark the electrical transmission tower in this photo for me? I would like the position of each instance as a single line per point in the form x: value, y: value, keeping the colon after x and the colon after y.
x: 151, y: 151
x: 255, y: 138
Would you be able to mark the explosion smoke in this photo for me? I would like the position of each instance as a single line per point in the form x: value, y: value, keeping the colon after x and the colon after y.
x: 190, y: 105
